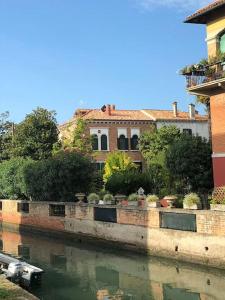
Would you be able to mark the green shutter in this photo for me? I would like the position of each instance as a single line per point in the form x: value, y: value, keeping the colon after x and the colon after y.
x: 222, y: 43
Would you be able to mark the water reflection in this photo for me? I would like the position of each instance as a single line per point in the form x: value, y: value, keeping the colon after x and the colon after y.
x: 77, y: 271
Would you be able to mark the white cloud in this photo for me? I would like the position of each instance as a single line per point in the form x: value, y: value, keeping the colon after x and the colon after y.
x: 184, y: 5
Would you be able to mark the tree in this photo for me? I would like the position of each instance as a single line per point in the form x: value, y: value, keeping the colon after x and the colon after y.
x: 6, y: 130
x: 205, y: 100
x: 153, y: 145
x: 188, y: 160
x: 117, y: 162
x: 35, y: 136
x: 79, y: 141
x: 59, y: 178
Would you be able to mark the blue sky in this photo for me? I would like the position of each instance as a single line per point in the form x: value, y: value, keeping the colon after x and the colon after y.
x: 65, y: 54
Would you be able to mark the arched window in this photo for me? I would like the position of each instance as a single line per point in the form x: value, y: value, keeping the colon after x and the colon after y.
x: 104, y: 142
x: 94, y: 141
x: 122, y: 142
x: 134, y: 142
x: 222, y: 43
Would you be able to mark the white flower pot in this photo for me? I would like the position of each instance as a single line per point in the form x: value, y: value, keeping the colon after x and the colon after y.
x: 219, y: 207
x: 154, y: 204
x: 193, y: 206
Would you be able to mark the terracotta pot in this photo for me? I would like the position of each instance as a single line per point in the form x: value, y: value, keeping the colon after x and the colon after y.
x: 170, y: 200
x: 124, y: 202
x: 141, y: 202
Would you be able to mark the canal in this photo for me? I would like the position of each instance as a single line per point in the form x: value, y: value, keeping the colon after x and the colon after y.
x: 78, y: 271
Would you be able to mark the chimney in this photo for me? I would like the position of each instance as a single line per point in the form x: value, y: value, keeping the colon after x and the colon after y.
x: 175, y: 109
x: 191, y: 111
x: 108, y: 109
x: 113, y: 107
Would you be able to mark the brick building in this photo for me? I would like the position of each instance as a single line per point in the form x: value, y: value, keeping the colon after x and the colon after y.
x: 114, y: 129
x: 210, y: 81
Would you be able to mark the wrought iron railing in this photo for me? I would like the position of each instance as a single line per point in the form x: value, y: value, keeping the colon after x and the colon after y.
x: 196, y: 79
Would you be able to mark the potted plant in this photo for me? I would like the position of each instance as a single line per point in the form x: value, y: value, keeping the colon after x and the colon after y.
x: 170, y: 199
x: 217, y: 205
x: 93, y: 198
x: 141, y: 200
x: 121, y: 199
x: 80, y: 196
x: 133, y: 199
x: 109, y: 199
x: 192, y: 201
x: 153, y: 201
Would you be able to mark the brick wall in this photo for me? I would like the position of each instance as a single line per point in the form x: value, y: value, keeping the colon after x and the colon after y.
x: 136, y: 228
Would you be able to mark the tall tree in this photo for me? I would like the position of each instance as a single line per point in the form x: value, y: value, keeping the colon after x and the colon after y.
x: 79, y: 140
x: 117, y: 162
x: 153, y: 145
x: 35, y: 136
x: 188, y: 160
x: 6, y: 131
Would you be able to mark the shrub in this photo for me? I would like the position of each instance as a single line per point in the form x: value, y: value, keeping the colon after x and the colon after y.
x: 128, y: 182
x: 93, y: 197
x: 191, y: 199
x: 59, y: 178
x: 152, y: 198
x: 108, y: 197
x: 133, y: 197
x: 12, y: 181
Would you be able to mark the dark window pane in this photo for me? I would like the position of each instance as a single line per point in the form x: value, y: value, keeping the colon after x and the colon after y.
x: 94, y: 140
x: 57, y: 210
x: 187, y: 131
x: 104, y: 144
x: 23, y: 207
x: 122, y: 143
x: 134, y: 142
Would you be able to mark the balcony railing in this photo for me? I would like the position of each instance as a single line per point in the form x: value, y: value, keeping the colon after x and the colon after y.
x: 194, y: 79
x: 204, y: 75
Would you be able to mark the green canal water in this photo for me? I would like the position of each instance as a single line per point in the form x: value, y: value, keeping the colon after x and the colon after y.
x: 80, y: 271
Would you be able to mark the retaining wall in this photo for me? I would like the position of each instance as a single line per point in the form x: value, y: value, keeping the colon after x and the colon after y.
x: 197, y: 236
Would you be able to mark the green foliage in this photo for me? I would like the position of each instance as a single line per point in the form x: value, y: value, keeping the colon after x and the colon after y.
x: 108, y: 197
x: 6, y: 130
x: 128, y: 182
x: 117, y: 162
x: 35, y: 136
x: 12, y: 181
x: 93, y: 197
x: 153, y: 145
x: 188, y: 160
x: 80, y: 140
x: 133, y: 197
x: 59, y: 178
x: 192, y: 199
x: 152, y: 198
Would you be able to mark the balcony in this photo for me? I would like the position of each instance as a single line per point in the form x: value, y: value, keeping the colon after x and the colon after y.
x: 205, y: 80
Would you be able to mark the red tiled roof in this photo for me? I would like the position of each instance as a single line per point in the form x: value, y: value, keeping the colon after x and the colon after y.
x: 169, y: 116
x: 134, y: 115
x: 126, y: 115
x: 199, y: 15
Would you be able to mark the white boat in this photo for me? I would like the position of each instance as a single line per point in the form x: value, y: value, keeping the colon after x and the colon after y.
x: 20, y: 271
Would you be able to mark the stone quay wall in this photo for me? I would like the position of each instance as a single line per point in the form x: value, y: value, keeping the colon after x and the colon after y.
x: 189, y: 235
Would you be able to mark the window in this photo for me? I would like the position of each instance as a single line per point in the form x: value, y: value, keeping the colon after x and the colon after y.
x: 122, y: 142
x: 222, y: 43
x: 100, y: 166
x: 57, y: 210
x: 0, y: 205
x: 94, y: 141
x: 134, y: 142
x: 187, y: 131
x: 23, y: 207
x: 104, y: 142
